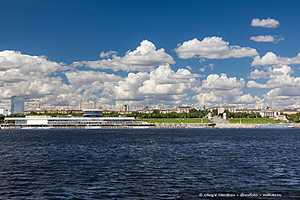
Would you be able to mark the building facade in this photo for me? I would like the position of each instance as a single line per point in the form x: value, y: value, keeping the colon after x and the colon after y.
x: 32, y: 105
x: 73, y: 122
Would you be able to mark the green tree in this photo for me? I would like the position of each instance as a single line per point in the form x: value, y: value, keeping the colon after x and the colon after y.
x: 2, y: 118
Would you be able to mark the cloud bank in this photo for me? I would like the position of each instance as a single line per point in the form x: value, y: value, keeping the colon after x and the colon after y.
x: 148, y: 75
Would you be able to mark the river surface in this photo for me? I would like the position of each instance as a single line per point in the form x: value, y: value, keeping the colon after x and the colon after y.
x: 149, y: 163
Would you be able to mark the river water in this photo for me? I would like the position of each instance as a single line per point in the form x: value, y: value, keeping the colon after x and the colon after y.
x: 149, y: 163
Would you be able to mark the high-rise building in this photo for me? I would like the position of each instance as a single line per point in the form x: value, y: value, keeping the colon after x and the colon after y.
x: 17, y: 104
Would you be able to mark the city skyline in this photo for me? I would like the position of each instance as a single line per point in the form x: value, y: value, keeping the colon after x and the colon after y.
x: 241, y: 57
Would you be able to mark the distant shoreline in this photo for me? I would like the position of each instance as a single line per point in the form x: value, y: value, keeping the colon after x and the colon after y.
x: 164, y: 126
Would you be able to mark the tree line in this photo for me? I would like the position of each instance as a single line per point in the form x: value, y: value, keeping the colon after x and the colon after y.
x: 194, y: 113
x: 294, y: 117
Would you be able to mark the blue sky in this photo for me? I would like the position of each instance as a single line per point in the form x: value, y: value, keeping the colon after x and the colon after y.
x: 68, y: 31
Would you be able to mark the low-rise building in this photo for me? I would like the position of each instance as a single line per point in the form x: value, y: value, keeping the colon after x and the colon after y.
x: 87, y: 105
x: 269, y: 112
x: 32, y: 105
x: 72, y: 122
x: 247, y: 110
x: 289, y: 111
x: 222, y: 109
x: 166, y: 111
x: 183, y: 109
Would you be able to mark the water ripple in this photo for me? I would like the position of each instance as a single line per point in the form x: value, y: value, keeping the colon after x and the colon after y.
x: 149, y: 164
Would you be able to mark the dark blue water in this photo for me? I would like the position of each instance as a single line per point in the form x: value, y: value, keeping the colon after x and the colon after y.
x: 148, y: 164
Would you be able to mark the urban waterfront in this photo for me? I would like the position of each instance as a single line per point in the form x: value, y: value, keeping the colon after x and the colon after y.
x: 148, y: 163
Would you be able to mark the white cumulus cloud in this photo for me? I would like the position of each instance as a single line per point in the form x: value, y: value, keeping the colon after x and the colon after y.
x: 283, y: 86
x: 271, y: 72
x: 265, y: 23
x: 223, y: 90
x: 264, y: 38
x: 222, y: 82
x: 22, y: 74
x: 212, y: 48
x: 144, y: 58
x: 271, y: 58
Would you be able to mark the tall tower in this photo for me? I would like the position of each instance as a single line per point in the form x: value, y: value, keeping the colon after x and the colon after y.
x: 17, y: 104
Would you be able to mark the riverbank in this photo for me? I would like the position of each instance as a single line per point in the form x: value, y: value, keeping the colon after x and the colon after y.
x: 247, y: 126
x: 46, y: 122
x: 165, y: 126
x: 226, y: 126
x: 176, y: 120
x: 259, y: 120
x: 183, y: 125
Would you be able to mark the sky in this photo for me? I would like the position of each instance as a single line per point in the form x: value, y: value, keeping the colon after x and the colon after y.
x: 211, y: 53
